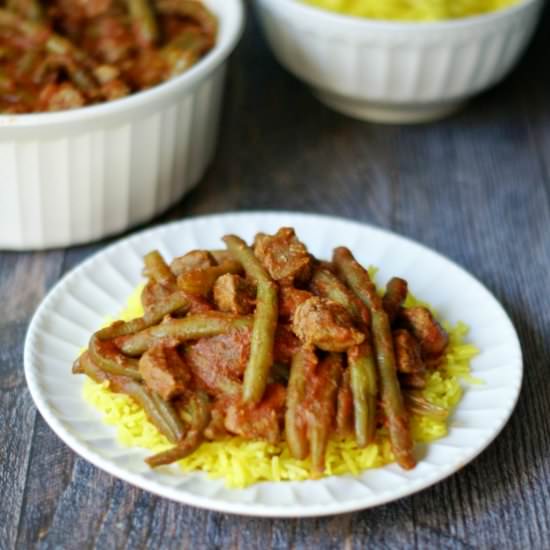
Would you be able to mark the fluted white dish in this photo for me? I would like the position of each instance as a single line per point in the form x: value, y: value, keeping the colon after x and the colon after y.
x: 75, y: 176
x: 399, y: 72
x: 99, y: 287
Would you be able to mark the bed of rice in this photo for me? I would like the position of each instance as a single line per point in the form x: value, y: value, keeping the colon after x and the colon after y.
x: 412, y: 10
x: 242, y: 463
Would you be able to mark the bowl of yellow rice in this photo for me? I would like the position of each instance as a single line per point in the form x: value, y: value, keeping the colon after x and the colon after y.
x: 398, y: 61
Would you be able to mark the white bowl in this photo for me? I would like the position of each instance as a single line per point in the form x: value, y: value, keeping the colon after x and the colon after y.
x: 76, y: 176
x: 400, y: 72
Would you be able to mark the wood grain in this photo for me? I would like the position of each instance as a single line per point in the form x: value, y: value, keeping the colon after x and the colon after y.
x: 476, y: 187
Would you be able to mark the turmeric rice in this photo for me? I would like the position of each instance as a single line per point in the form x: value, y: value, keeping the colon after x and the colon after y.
x: 412, y: 10
x: 243, y: 462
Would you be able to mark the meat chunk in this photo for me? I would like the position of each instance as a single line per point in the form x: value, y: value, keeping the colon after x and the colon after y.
x: 261, y: 421
x: 289, y: 299
x: 201, y: 281
x: 164, y: 371
x: 219, y: 362
x: 196, y: 259
x: 407, y: 352
x: 154, y: 292
x: 222, y: 256
x: 198, y: 304
x: 325, y: 324
x: 396, y: 294
x: 430, y: 334
x: 284, y: 256
x: 198, y: 282
x: 234, y: 294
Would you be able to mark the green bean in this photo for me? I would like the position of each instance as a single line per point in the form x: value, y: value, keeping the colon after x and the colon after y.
x: 84, y: 365
x: 364, y: 389
x: 170, y: 415
x: 344, y: 406
x: 121, y: 328
x: 326, y: 284
x: 199, y: 411
x: 78, y: 367
x: 191, y: 327
x: 158, y: 270
x: 200, y: 417
x: 81, y: 78
x: 143, y: 397
x: 321, y: 410
x: 107, y: 357
x: 176, y: 302
x: 398, y: 422
x: 302, y: 367
x: 245, y: 256
x: 144, y: 22
x: 262, y: 342
x: 416, y: 404
x: 394, y: 297
x: 189, y: 445
x: 265, y: 320
x: 159, y: 417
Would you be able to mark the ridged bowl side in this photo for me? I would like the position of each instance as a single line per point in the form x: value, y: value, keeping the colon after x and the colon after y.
x: 66, y: 188
x: 399, y: 64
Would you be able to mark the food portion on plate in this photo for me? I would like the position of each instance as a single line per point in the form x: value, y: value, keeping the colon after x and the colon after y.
x: 264, y: 363
x: 65, y: 54
x: 412, y: 10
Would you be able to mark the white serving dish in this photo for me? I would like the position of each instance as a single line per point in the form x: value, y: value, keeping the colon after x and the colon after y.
x: 98, y: 288
x: 75, y: 176
x: 397, y: 72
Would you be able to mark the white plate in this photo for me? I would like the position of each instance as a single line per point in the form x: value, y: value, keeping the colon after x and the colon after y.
x: 99, y: 287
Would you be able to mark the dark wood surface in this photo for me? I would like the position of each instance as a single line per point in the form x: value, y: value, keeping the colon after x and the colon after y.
x: 474, y: 187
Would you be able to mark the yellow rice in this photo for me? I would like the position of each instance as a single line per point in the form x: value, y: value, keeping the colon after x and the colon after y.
x: 412, y: 10
x: 243, y: 462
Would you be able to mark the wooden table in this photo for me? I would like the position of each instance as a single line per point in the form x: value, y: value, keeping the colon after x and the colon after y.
x: 475, y: 187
